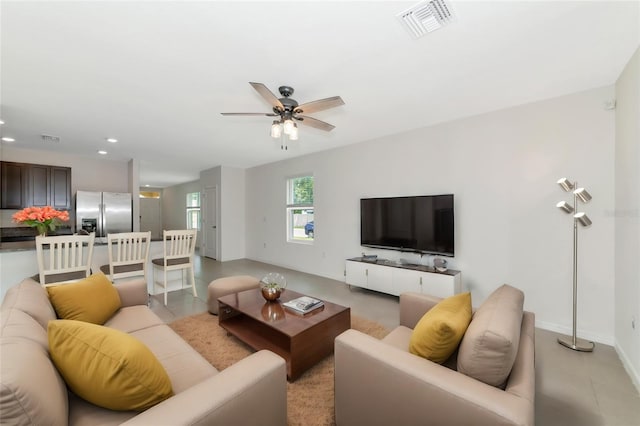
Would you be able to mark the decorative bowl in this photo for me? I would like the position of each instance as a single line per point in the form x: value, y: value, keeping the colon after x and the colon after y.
x: 272, y: 285
x: 271, y: 294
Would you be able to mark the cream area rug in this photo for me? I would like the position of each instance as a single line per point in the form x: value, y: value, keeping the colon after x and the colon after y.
x: 309, y: 397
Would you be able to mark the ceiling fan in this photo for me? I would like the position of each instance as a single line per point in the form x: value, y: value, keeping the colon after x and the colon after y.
x: 290, y: 111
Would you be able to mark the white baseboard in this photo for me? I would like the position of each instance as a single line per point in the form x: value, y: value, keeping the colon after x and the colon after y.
x: 633, y: 373
x: 606, y: 340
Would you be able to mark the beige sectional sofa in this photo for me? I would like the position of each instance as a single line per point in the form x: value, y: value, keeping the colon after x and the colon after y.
x: 379, y: 382
x: 32, y: 392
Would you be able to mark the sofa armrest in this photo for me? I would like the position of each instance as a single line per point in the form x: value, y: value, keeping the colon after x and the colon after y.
x: 252, y: 391
x: 413, y: 306
x: 133, y: 292
x: 378, y: 384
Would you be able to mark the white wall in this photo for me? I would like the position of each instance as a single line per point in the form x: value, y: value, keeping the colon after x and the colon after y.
x: 87, y: 174
x: 502, y: 168
x: 230, y: 184
x: 627, y: 217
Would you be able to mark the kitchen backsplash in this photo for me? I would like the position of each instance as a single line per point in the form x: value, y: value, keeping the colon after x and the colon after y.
x: 5, y: 219
x: 27, y: 233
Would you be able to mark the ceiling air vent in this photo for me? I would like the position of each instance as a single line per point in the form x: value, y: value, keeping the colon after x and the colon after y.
x: 50, y: 139
x: 426, y: 17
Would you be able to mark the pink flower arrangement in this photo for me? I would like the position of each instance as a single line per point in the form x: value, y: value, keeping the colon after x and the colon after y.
x: 43, y: 218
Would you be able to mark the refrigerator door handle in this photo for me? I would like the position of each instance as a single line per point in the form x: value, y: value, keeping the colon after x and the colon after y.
x: 101, y: 221
x: 104, y: 220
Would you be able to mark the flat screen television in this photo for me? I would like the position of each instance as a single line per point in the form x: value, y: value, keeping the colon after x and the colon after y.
x: 422, y: 224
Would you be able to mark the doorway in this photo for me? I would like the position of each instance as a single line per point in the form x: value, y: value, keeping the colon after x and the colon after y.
x: 210, y: 225
x: 151, y: 217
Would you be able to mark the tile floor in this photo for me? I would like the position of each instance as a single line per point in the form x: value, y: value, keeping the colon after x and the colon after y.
x: 572, y: 388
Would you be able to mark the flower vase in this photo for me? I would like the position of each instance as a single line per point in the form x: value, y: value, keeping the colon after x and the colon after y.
x: 42, y: 230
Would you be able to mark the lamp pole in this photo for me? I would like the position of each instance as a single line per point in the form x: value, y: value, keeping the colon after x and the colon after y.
x: 575, y: 343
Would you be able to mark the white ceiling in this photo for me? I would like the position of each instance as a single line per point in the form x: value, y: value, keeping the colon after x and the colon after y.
x: 156, y: 74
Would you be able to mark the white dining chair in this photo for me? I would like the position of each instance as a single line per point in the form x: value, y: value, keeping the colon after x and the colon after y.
x: 178, y: 249
x: 128, y: 255
x: 64, y: 258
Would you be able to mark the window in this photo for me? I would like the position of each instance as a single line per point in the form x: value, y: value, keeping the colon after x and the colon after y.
x: 300, y: 225
x: 193, y: 210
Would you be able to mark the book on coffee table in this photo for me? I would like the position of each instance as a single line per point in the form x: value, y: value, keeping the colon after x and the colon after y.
x: 303, y: 304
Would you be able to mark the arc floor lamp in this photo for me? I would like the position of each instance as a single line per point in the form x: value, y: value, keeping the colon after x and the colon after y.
x: 578, y: 217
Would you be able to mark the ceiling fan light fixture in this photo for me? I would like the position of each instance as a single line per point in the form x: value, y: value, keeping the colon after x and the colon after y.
x: 288, y: 110
x: 276, y: 129
x: 293, y: 134
x: 288, y: 126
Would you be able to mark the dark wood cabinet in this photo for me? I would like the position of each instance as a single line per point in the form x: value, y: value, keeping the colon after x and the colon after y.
x: 14, y: 185
x: 25, y: 185
x: 60, y: 188
x: 39, y: 185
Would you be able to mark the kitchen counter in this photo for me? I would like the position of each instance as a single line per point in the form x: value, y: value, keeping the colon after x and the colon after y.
x: 28, y: 245
x: 31, y: 245
x: 17, y: 246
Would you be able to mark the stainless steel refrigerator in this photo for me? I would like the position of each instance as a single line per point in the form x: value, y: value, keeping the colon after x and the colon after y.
x: 103, y: 213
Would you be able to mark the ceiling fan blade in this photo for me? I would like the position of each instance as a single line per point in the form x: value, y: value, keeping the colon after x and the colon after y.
x: 267, y: 114
x: 310, y: 121
x: 319, y: 105
x: 267, y: 95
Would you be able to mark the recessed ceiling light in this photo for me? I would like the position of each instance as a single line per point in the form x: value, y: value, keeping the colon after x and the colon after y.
x: 1, y: 122
x: 102, y: 152
x: 6, y: 139
x: 112, y: 140
x: 147, y: 186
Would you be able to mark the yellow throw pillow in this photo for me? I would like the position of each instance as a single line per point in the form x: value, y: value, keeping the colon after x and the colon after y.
x: 93, y: 299
x: 107, y: 367
x: 440, y: 330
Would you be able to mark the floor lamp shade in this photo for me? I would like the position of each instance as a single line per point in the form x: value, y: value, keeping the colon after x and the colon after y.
x: 565, y: 184
x: 582, y: 195
x: 583, y: 219
x: 565, y: 207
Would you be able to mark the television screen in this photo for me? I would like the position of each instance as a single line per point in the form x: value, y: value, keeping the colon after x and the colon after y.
x: 422, y: 224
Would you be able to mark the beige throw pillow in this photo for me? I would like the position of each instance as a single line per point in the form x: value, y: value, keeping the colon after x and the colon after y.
x: 490, y: 345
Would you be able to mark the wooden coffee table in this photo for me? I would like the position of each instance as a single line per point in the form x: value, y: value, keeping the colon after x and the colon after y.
x: 301, y: 340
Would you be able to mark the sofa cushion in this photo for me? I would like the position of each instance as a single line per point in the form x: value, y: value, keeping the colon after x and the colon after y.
x: 399, y: 337
x: 31, y: 390
x: 490, y: 345
x: 83, y: 413
x: 30, y: 297
x: 133, y: 318
x: 107, y: 367
x: 184, y: 366
x: 439, y: 331
x: 93, y: 299
x: 16, y: 323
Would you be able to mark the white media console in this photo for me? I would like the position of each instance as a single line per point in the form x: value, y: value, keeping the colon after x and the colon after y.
x: 394, y: 278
